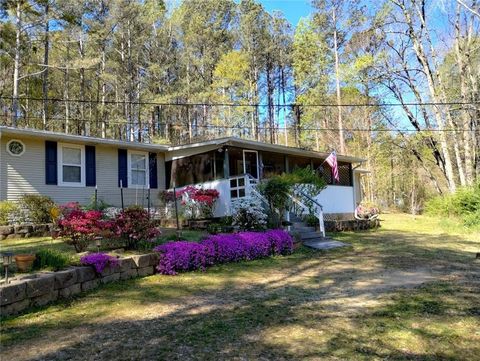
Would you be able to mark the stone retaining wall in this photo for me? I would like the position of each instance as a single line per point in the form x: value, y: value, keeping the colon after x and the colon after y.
x: 25, y: 230
x: 42, y: 288
x: 351, y: 225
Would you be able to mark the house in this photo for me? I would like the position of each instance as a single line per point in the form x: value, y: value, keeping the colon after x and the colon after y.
x: 69, y: 168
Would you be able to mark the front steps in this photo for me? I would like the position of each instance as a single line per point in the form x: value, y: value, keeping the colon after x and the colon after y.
x: 310, y: 237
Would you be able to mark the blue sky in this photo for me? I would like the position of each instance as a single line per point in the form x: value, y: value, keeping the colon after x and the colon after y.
x: 293, y: 10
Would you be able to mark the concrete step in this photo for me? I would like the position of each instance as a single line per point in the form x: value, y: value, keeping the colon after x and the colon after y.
x: 298, y: 224
x: 324, y: 244
x: 294, y: 218
x: 303, y: 229
x: 309, y: 235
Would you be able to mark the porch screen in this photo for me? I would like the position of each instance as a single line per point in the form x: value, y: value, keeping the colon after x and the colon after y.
x: 298, y: 162
x: 344, y: 172
x: 195, y: 169
x: 272, y: 164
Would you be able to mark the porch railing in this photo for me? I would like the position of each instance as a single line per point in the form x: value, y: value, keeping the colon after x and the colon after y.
x: 299, y: 199
x: 246, y: 185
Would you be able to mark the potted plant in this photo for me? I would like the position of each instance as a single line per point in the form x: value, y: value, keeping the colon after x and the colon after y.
x: 24, y: 262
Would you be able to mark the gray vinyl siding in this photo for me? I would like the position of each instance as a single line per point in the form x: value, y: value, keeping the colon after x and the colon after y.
x: 26, y: 175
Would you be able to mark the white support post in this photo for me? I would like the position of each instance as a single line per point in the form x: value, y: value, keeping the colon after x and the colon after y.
x: 322, y: 225
x: 287, y: 218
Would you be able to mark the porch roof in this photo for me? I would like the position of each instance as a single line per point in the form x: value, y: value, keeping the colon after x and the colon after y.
x: 255, y: 145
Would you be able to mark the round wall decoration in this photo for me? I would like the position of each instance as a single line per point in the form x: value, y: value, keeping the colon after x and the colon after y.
x: 15, y: 147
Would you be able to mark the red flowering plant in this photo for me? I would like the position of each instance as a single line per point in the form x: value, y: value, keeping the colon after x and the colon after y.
x: 134, y: 225
x: 79, y: 227
x: 199, y: 202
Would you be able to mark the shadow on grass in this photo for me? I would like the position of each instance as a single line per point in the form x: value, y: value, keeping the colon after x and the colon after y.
x: 295, y: 307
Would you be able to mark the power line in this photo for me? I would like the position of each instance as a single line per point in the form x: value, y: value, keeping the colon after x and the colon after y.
x: 253, y: 105
x: 213, y: 126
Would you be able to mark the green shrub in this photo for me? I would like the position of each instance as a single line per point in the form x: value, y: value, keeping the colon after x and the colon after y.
x: 38, y: 207
x: 310, y: 220
x: 305, y: 176
x: 100, y: 205
x: 6, y: 210
x: 463, y: 204
x: 277, y: 188
x: 51, y: 259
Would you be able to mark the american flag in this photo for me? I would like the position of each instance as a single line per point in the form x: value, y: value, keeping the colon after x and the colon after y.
x: 332, y: 162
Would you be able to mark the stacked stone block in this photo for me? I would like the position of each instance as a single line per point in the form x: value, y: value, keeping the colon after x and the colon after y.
x: 25, y: 230
x: 42, y: 288
x: 351, y: 225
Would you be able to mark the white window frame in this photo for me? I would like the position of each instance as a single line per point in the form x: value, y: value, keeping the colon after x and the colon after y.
x: 147, y: 170
x: 18, y: 141
x: 60, y: 165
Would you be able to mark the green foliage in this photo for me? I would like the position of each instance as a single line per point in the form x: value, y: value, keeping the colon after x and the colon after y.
x: 273, y: 220
x: 463, y: 204
x: 6, y: 209
x: 277, y: 188
x: 38, y: 207
x: 311, y: 220
x: 99, y: 206
x: 223, y: 225
x: 305, y: 176
x: 51, y: 259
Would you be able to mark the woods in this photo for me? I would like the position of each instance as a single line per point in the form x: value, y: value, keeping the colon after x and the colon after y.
x: 394, y: 81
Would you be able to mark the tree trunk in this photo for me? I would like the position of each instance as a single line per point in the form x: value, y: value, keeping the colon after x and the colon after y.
x: 422, y: 58
x: 16, y: 70
x: 337, y: 83
x: 46, y: 44
x: 104, y: 91
x: 66, y: 93
x: 466, y: 119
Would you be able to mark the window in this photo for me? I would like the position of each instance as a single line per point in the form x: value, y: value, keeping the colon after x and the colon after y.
x: 15, y: 147
x: 138, y: 169
x: 71, y: 165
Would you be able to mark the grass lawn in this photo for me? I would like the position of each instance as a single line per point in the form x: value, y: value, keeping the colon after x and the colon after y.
x: 409, y: 291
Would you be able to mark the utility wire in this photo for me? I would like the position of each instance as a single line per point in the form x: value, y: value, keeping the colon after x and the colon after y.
x: 91, y: 101
x: 62, y: 121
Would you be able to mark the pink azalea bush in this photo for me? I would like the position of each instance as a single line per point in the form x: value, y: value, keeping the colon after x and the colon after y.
x: 198, y: 202
x: 79, y: 227
x: 133, y: 224
x: 222, y: 248
x: 99, y: 261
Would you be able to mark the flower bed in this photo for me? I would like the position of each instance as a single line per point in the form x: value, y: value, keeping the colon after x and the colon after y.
x: 222, y: 248
x: 99, y: 261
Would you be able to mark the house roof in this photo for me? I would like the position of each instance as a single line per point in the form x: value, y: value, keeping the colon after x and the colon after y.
x: 174, y: 150
x: 251, y: 144
x: 48, y: 135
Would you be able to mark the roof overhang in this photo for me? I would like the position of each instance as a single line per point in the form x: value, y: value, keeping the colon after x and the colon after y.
x: 251, y: 144
x: 62, y: 137
x: 174, y: 152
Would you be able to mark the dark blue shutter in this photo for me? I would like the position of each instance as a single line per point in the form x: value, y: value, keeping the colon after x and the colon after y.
x: 122, y: 168
x: 90, y: 168
x: 50, y: 162
x: 152, y: 159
